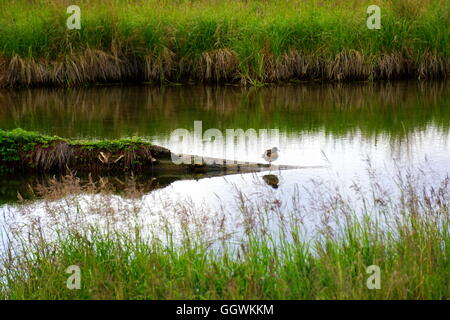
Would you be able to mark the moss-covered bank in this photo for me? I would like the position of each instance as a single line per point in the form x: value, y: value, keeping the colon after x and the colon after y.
x: 22, y: 150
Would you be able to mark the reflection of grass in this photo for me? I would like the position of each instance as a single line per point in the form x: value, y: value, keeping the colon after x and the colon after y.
x: 374, y: 109
x: 247, y: 41
x: 406, y: 235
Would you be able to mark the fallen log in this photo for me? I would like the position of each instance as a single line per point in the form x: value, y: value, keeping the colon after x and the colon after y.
x: 25, y: 151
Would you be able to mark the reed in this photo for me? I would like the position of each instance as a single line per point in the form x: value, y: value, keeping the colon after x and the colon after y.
x: 124, y: 262
x: 246, y: 42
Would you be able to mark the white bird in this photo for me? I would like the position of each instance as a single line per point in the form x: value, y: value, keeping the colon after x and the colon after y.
x: 271, y: 155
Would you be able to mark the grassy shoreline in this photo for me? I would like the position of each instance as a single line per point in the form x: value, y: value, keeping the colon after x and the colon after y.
x: 223, y: 41
x: 407, y: 236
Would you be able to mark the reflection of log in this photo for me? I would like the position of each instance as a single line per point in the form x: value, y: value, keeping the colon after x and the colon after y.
x: 22, y: 184
x: 116, y: 182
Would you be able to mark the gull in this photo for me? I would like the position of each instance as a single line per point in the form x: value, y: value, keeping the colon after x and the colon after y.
x: 271, y: 155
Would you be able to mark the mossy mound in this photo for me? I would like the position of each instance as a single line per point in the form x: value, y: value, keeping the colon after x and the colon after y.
x: 21, y: 150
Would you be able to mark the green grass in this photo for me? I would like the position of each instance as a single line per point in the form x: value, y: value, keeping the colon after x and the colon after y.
x: 251, y: 41
x: 411, y: 247
x: 193, y: 27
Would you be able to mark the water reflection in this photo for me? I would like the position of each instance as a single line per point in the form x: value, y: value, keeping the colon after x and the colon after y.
x: 224, y: 208
x: 328, y: 130
x: 272, y: 180
x: 396, y: 120
x: 396, y: 110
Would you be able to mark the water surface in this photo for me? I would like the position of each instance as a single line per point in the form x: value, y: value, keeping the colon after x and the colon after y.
x: 333, y: 132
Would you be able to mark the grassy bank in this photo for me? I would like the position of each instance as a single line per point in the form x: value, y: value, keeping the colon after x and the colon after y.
x: 22, y: 150
x: 406, y: 235
x: 247, y: 42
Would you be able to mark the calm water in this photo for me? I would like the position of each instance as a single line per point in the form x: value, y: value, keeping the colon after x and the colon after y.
x: 330, y: 131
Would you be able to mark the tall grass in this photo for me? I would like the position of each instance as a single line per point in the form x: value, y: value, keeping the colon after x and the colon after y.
x: 221, y: 41
x: 405, y: 233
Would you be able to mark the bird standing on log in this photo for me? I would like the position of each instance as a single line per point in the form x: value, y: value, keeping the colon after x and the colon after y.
x: 271, y: 155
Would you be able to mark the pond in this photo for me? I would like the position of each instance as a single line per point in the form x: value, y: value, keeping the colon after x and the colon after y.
x: 336, y: 135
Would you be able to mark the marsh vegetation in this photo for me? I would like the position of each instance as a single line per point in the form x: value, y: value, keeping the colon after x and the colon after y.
x: 131, y: 248
x: 246, y: 42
